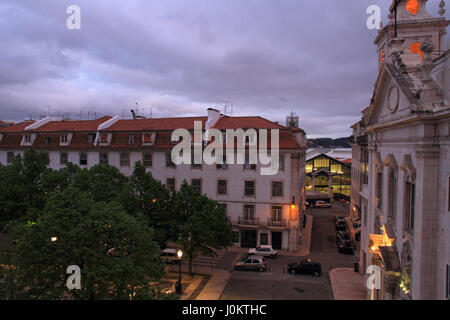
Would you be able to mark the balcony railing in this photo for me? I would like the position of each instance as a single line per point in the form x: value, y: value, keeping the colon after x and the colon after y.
x: 276, y: 223
x: 248, y: 222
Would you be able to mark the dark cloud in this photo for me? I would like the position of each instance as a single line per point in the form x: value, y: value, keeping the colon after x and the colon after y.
x: 267, y: 57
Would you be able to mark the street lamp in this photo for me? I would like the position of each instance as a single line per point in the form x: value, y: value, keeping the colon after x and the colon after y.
x: 178, y: 287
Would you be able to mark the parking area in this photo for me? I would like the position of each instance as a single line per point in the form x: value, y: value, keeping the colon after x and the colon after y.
x: 277, y: 284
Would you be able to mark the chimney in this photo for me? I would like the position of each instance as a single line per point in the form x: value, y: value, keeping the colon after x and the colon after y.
x: 213, y: 117
x: 134, y: 114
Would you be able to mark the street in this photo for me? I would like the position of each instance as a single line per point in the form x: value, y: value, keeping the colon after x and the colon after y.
x: 277, y: 284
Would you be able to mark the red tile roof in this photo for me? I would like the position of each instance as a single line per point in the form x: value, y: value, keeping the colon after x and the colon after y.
x: 72, y: 125
x: 156, y: 124
x: 19, y: 127
x: 123, y: 128
x: 226, y: 122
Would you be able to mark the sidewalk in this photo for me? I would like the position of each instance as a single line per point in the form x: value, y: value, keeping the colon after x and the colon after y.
x: 347, y: 284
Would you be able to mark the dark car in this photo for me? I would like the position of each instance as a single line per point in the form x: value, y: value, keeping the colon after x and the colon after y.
x: 341, y: 225
x: 345, y: 246
x: 305, y: 266
x: 341, y: 235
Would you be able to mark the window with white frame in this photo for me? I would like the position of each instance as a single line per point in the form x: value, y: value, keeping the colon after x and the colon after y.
x: 27, y: 138
x: 63, y: 158
x: 147, y: 159
x: 197, y: 185
x: 83, y: 159
x: 9, y: 157
x: 131, y: 139
x: 170, y: 184
x: 249, y: 212
x: 63, y: 138
x: 124, y: 159
x: 392, y: 192
x: 277, y: 188
x: 249, y: 188
x: 222, y: 187
x: 103, y: 158
x: 277, y: 214
x: 410, y: 197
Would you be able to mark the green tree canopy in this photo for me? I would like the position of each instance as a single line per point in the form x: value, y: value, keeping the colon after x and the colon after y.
x: 21, y: 192
x: 151, y: 200
x: 114, y: 251
x: 199, y: 223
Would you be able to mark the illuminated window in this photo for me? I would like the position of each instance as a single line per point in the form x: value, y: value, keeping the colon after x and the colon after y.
x: 309, y: 168
x: 336, y: 168
x: 415, y: 49
x: 147, y: 138
x: 321, y: 163
x: 412, y: 6
x: 382, y: 55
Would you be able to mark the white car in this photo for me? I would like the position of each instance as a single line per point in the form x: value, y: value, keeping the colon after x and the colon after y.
x: 322, y: 204
x: 265, y: 251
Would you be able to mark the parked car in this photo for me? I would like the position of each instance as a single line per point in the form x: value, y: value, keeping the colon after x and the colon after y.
x: 265, y: 251
x: 322, y: 204
x: 169, y: 256
x: 341, y: 225
x: 339, y: 218
x: 345, y: 246
x: 255, y: 263
x: 305, y: 266
x: 342, y: 235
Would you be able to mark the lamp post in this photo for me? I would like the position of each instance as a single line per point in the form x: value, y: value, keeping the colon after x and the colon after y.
x: 178, y: 285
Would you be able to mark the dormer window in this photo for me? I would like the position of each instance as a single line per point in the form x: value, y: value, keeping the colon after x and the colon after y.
x: 48, y: 140
x: 63, y: 138
x: 148, y: 138
x: 131, y: 139
x: 103, y: 138
x: 27, y: 138
x: 91, y: 137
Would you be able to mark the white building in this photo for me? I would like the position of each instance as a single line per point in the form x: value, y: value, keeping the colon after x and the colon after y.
x: 401, y: 176
x: 262, y: 209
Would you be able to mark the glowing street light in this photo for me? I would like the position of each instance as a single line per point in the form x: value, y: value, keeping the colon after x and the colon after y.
x: 53, y: 239
x: 178, y: 285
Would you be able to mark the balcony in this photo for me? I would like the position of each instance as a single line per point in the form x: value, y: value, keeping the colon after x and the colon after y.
x: 248, y: 222
x: 277, y: 223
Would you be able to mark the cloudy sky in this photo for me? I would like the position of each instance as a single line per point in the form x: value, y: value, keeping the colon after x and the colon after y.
x: 178, y: 57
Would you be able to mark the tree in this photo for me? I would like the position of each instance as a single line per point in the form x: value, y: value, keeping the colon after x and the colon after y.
x: 102, y: 183
x: 21, y: 193
x: 150, y: 199
x: 199, y: 223
x: 114, y: 251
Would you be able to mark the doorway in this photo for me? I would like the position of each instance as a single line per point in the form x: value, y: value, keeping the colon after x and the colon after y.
x: 248, y: 238
x: 276, y: 240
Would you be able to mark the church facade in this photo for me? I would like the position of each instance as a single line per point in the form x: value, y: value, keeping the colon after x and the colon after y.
x: 400, y: 187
